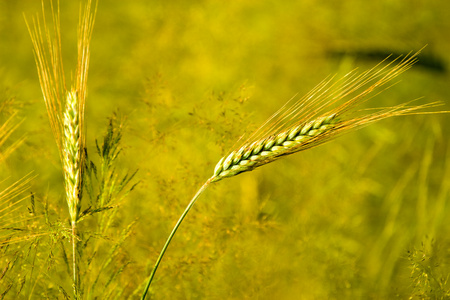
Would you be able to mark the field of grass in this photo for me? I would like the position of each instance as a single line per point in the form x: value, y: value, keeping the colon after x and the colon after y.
x: 173, y: 85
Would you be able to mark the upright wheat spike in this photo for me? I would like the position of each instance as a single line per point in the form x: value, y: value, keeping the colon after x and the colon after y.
x: 72, y: 153
x: 325, y: 112
x: 65, y: 107
x: 73, y: 169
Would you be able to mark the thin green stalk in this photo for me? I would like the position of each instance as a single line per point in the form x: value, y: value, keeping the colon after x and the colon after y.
x: 74, y: 260
x: 169, y: 239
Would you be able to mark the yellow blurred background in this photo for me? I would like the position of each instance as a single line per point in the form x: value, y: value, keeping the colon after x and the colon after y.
x: 362, y: 217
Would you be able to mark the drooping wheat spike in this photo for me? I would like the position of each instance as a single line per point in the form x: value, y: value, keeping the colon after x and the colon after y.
x: 265, y: 150
x: 327, y: 111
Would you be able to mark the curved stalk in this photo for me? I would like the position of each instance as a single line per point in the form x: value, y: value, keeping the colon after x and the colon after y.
x: 169, y: 239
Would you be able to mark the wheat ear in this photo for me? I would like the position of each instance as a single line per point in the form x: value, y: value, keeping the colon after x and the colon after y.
x: 327, y: 111
x: 73, y: 170
x: 72, y: 155
x: 65, y: 108
x: 268, y: 149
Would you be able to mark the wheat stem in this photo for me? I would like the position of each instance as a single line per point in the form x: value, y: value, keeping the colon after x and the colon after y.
x: 74, y: 261
x: 169, y: 239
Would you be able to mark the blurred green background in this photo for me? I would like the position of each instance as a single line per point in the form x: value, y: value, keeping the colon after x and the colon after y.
x: 362, y: 217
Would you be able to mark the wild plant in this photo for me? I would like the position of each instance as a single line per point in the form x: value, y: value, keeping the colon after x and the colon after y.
x: 429, y: 280
x: 107, y: 187
x: 329, y: 110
